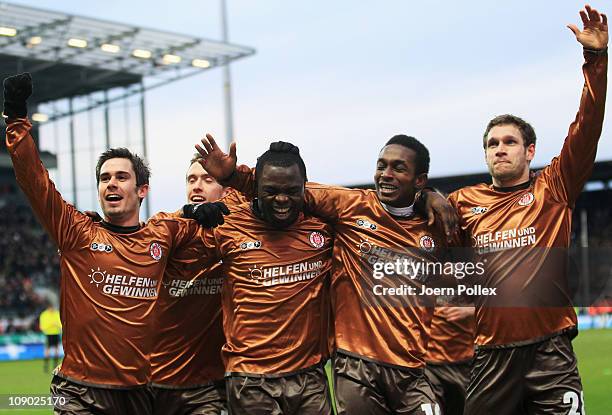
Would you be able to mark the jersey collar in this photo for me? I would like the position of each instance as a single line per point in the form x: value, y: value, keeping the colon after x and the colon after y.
x: 511, y: 189
x: 119, y: 229
x: 402, y: 212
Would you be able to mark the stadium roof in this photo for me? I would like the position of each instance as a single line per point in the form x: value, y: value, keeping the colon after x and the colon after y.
x: 72, y: 55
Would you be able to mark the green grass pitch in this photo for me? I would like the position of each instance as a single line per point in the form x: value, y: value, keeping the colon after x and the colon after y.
x: 593, y: 347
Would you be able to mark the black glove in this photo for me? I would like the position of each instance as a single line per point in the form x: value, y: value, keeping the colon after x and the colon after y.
x: 17, y: 89
x: 284, y: 147
x: 208, y: 215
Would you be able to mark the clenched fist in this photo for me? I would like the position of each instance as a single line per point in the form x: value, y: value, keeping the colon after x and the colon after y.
x: 17, y: 89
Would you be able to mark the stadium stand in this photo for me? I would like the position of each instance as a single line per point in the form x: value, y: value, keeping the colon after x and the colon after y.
x: 28, y: 263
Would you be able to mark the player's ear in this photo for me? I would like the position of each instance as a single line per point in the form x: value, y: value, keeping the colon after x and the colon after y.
x: 420, y: 181
x: 142, y: 191
x: 530, y: 152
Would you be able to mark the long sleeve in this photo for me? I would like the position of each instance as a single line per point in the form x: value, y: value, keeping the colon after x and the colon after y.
x: 63, y: 222
x: 243, y: 180
x: 571, y: 169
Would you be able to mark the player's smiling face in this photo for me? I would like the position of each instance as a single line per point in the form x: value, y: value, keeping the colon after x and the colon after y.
x: 506, y: 155
x: 201, y: 186
x: 118, y: 194
x: 280, y: 194
x: 395, y: 178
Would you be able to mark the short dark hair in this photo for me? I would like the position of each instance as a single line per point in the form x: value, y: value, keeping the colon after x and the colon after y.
x: 196, y: 157
x: 529, y: 135
x: 283, y: 158
x: 422, y: 154
x: 141, y: 169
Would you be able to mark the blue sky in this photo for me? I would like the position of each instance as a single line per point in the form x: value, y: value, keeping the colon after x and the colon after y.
x: 340, y: 78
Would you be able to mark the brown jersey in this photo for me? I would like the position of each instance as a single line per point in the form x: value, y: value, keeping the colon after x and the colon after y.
x: 275, y: 308
x: 109, y: 280
x: 368, y: 324
x: 516, y: 228
x: 450, y: 341
x: 187, y: 329
x: 390, y: 327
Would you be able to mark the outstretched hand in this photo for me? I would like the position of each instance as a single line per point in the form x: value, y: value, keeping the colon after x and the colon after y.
x: 594, y: 35
x: 217, y: 163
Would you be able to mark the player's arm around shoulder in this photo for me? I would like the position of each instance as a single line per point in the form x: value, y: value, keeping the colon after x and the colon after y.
x: 438, y: 209
x: 332, y: 203
x: 192, y: 236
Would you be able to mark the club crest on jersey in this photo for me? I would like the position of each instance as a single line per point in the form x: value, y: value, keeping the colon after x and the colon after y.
x: 478, y: 210
x: 250, y: 245
x: 427, y: 243
x: 526, y: 199
x: 155, y: 250
x: 100, y: 247
x: 365, y: 224
x: 316, y: 239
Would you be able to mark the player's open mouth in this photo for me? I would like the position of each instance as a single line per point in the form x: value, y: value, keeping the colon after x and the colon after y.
x: 282, y: 213
x: 197, y: 199
x: 385, y: 188
x: 113, y: 199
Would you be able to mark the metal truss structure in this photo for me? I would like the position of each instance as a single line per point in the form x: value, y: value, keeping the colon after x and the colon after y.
x: 72, y: 55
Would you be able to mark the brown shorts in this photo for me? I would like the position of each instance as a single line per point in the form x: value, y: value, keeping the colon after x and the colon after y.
x: 449, y: 382
x: 305, y: 393
x: 81, y: 400
x: 540, y: 378
x: 368, y: 388
x: 205, y: 400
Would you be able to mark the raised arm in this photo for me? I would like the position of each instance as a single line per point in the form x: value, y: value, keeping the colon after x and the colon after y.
x: 63, y: 222
x: 574, y: 165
